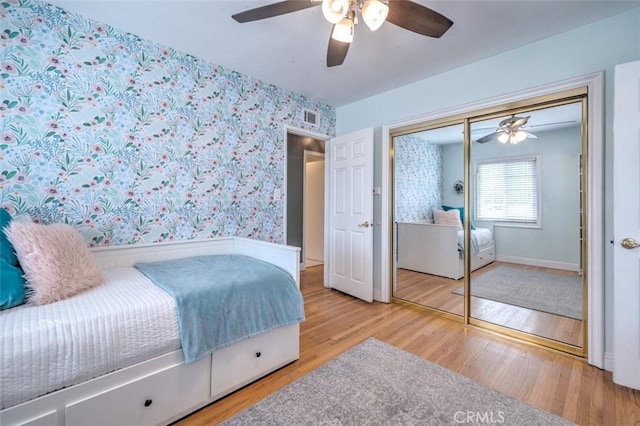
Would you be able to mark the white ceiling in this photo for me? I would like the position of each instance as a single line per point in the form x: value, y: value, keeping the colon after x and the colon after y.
x: 290, y: 50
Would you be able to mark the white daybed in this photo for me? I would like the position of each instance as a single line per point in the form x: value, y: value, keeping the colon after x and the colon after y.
x: 163, y: 389
x: 434, y: 249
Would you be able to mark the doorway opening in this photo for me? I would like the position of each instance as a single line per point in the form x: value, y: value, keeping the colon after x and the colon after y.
x: 302, y: 148
x: 313, y: 209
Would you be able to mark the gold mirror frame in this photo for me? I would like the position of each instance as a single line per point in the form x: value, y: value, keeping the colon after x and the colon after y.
x: 579, y: 94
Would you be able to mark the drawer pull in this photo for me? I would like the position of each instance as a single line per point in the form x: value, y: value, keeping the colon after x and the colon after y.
x: 258, y: 354
x: 148, y: 402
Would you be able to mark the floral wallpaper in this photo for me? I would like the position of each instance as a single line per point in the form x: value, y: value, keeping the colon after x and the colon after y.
x: 131, y: 141
x: 418, y: 178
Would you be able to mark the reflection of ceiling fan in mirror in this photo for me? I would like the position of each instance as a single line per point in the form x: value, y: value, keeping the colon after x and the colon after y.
x: 509, y: 131
x: 514, y: 130
x: 343, y: 14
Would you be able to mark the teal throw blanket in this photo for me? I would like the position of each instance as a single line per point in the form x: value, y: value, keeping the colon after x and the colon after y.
x: 224, y: 299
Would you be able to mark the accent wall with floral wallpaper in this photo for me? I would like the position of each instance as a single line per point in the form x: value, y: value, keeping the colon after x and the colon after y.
x: 418, y: 178
x: 130, y: 141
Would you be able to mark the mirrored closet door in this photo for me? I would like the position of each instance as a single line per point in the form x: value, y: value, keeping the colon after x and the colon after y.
x: 526, y: 202
x: 499, y: 212
x: 428, y: 202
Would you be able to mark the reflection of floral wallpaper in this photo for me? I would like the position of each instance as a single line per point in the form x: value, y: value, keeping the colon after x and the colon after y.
x: 418, y: 178
x: 133, y: 142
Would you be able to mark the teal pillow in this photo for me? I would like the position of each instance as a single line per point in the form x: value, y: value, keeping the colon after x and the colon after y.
x: 461, y: 211
x: 12, y: 283
x: 6, y: 248
x: 12, y: 286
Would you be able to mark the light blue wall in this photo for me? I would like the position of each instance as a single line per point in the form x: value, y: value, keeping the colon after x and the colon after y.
x: 558, y: 238
x: 591, y: 48
x: 452, y: 171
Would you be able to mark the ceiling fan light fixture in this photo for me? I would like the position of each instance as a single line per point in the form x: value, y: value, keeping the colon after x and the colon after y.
x: 374, y: 13
x: 335, y: 10
x: 513, y: 137
x: 519, y: 136
x: 343, y: 31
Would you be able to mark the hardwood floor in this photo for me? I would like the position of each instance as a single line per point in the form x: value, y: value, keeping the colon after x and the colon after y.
x: 437, y: 292
x: 558, y: 383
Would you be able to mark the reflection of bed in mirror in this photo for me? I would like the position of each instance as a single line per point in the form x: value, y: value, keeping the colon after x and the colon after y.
x: 437, y: 249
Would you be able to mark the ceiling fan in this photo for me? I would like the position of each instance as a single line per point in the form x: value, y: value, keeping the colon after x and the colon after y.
x: 343, y: 14
x: 509, y: 131
x: 512, y: 130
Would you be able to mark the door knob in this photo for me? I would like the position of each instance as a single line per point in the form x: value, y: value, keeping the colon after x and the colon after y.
x: 629, y: 243
x: 364, y: 225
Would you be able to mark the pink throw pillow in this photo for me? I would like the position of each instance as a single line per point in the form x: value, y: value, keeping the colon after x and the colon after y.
x: 56, y: 261
x: 450, y: 217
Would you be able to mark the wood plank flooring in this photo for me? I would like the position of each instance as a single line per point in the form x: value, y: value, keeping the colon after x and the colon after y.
x: 437, y: 292
x: 558, y: 383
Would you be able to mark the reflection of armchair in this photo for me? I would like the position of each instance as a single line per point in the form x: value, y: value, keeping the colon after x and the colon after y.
x: 433, y: 249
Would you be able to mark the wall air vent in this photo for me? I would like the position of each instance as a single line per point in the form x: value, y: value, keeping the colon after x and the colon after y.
x: 311, y: 118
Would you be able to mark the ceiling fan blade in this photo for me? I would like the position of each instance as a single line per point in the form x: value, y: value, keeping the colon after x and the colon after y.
x: 520, y: 121
x: 513, y: 122
x: 555, y: 123
x: 488, y: 138
x: 336, y: 52
x: 417, y: 18
x: 529, y: 135
x: 481, y: 129
x: 274, y: 9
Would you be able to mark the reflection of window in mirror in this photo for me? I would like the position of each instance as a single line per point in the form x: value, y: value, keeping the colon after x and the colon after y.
x: 507, y: 190
x: 526, y: 183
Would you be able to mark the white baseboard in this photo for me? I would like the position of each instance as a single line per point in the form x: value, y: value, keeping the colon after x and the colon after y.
x: 377, y: 295
x: 565, y: 266
x: 608, y: 361
x: 308, y: 263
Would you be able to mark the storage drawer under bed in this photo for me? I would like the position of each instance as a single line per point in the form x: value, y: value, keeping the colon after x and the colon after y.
x: 242, y: 363
x: 149, y: 400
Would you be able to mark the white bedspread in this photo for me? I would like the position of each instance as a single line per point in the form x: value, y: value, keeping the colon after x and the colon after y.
x: 480, y: 238
x: 483, y: 236
x: 123, y: 322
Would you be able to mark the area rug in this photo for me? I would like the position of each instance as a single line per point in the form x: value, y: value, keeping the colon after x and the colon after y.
x: 377, y: 384
x: 558, y: 294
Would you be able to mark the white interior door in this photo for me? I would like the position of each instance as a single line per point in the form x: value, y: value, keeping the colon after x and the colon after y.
x: 626, y: 226
x: 350, y: 214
